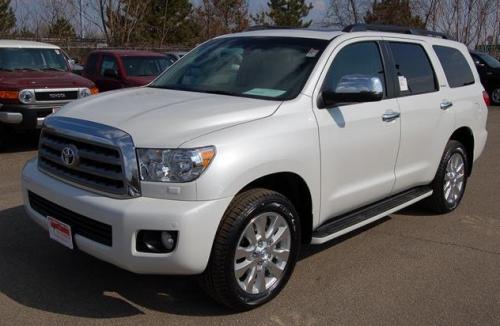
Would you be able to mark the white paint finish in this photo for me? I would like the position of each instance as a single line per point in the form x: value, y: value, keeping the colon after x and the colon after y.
x: 370, y: 220
x: 161, y: 118
x: 346, y: 156
x: 26, y: 44
x: 358, y: 149
x: 196, y: 222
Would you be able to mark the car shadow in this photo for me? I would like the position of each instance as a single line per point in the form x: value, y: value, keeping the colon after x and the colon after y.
x: 41, y: 274
x: 20, y: 142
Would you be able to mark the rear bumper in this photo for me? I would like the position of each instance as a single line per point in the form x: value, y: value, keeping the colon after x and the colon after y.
x: 196, y: 222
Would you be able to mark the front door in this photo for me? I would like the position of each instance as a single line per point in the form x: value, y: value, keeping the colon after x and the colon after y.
x: 359, y: 145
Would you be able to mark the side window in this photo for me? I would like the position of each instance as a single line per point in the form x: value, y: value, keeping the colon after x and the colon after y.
x: 355, y: 59
x: 415, y: 74
x: 108, y: 63
x: 455, y: 67
x: 91, y: 64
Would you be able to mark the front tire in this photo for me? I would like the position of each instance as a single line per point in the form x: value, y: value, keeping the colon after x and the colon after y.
x: 255, y: 250
x: 451, y: 178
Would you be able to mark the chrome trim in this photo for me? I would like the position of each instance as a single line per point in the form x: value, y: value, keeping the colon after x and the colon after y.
x: 51, y: 90
x: 445, y: 105
x: 100, y: 135
x: 390, y: 116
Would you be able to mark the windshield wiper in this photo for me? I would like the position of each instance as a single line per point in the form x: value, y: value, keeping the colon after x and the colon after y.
x: 188, y: 89
x: 6, y: 69
x: 53, y: 68
x: 29, y: 69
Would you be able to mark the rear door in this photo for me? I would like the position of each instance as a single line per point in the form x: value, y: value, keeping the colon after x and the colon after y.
x: 427, y: 113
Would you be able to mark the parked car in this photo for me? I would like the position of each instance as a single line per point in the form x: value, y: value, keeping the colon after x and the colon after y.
x: 489, y: 71
x: 35, y: 81
x: 175, y: 55
x: 115, y: 69
x: 255, y: 144
x: 73, y: 64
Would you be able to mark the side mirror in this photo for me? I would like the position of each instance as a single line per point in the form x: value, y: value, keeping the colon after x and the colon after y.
x: 353, y: 89
x: 111, y: 73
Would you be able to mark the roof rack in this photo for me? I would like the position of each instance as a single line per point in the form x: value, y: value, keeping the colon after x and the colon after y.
x: 392, y: 29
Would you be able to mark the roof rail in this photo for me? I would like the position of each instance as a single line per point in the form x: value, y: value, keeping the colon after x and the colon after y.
x: 264, y: 27
x: 392, y: 29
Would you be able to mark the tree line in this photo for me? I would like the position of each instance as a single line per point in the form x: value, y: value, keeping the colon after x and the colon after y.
x: 158, y: 23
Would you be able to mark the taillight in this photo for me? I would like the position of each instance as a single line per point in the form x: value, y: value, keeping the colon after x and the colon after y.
x: 486, y: 98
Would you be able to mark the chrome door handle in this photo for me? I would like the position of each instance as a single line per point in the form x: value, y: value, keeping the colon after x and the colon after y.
x: 445, y: 105
x: 390, y: 116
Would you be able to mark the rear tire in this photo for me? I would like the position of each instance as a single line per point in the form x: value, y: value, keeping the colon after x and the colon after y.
x: 495, y: 96
x: 451, y: 179
x: 255, y: 250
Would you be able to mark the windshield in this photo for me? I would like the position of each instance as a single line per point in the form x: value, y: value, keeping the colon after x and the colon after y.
x: 145, y: 66
x: 12, y: 59
x: 260, y: 67
x: 490, y: 61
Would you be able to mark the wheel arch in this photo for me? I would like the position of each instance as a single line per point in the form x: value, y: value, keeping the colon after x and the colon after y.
x: 466, y: 137
x: 295, y: 188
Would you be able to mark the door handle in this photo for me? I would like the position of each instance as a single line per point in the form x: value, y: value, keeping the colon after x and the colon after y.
x: 445, y: 105
x: 390, y: 116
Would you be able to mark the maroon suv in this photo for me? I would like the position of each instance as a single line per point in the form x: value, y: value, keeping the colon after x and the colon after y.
x: 115, y: 69
x: 35, y: 81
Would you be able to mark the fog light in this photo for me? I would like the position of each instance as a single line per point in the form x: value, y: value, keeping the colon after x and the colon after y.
x: 159, y: 242
x: 167, y: 240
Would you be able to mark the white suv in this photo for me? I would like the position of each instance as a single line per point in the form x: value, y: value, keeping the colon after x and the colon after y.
x: 255, y: 143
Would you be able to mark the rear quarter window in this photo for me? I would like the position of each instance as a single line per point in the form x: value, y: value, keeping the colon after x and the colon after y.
x: 455, y: 66
x: 414, y: 69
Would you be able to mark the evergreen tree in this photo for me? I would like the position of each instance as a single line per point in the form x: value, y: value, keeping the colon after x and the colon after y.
x: 61, y: 28
x: 7, y: 17
x: 167, y: 21
x: 393, y: 12
x: 289, y: 13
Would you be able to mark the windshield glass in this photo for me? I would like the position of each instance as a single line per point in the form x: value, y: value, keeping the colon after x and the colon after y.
x: 490, y: 61
x: 32, y: 59
x: 145, y: 66
x: 260, y: 67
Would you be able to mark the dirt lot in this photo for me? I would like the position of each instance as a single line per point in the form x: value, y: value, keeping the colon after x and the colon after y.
x: 411, y: 268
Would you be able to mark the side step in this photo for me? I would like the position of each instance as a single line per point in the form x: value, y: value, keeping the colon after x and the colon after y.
x: 351, y: 221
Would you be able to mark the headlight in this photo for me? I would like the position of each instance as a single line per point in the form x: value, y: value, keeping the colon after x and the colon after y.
x: 84, y: 92
x: 26, y: 96
x: 174, y: 165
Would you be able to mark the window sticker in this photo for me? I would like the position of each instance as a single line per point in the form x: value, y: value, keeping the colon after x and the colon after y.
x: 403, y: 83
x: 268, y: 92
x: 312, y: 53
x: 57, y: 52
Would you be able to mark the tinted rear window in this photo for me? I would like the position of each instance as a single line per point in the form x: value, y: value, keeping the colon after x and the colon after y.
x: 456, y: 68
x: 414, y: 67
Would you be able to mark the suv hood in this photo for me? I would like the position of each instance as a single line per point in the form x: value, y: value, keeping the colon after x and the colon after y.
x: 42, y: 79
x: 161, y: 118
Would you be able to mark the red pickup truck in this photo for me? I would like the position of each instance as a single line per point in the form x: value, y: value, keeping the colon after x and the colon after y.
x: 35, y: 81
x: 115, y: 69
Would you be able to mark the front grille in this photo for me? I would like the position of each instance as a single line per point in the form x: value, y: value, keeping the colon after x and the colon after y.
x: 56, y: 96
x: 99, y: 166
x: 81, y: 225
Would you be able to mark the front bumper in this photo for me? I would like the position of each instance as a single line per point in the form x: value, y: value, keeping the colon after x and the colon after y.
x: 27, y: 116
x: 196, y: 222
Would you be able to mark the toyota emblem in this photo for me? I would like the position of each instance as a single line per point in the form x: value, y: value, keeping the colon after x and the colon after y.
x: 69, y: 156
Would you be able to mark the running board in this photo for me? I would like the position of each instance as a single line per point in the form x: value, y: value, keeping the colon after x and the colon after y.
x: 368, y: 214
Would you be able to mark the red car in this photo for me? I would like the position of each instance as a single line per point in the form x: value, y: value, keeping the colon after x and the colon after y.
x: 115, y: 69
x: 35, y: 81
